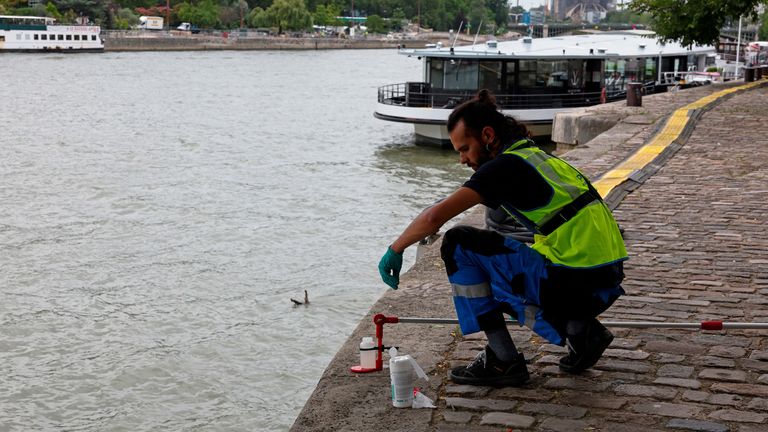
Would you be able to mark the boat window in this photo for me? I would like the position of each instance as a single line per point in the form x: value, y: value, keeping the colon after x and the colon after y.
x: 69, y: 37
x: 44, y: 37
x: 436, y: 72
x: 26, y: 36
x: 61, y: 37
x: 461, y: 74
x: 18, y: 36
x: 36, y: 36
x: 509, y: 77
x: 77, y: 37
x: 490, y: 76
x: 93, y: 37
x: 650, y: 70
x: 549, y: 76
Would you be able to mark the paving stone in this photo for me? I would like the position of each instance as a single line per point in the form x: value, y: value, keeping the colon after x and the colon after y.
x: 678, y: 382
x: 480, y: 404
x: 462, y: 417
x: 668, y: 358
x: 508, y: 420
x: 742, y: 389
x: 646, y: 391
x: 548, y: 360
x: 626, y: 354
x: 723, y: 375
x: 515, y: 393
x: 721, y: 339
x: 725, y: 399
x: 697, y: 425
x: 758, y: 404
x: 675, y: 348
x: 666, y: 409
x: 576, y: 384
x: 695, y: 396
x: 463, y: 428
x: 675, y: 371
x: 625, y: 343
x: 594, y: 400
x: 562, y: 425
x: 738, y: 416
x: 727, y: 351
x: 622, y: 366
x: 467, y: 390
x: 553, y: 410
x: 753, y: 365
x: 759, y: 355
x: 763, y: 379
x: 627, y: 427
x: 711, y: 361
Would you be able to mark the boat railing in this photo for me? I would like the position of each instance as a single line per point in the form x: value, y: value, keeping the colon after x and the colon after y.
x: 690, y: 77
x: 421, y: 95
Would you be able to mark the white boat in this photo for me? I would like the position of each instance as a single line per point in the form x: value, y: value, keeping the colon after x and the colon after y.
x: 40, y: 34
x: 533, y: 79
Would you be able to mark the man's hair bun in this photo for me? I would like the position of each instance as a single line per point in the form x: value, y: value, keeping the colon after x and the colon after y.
x: 484, y: 96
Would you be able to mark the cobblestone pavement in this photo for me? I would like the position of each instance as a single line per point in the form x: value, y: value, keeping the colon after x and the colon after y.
x: 698, y: 244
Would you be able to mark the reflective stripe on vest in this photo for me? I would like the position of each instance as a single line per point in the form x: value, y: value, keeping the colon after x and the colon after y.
x: 567, y: 184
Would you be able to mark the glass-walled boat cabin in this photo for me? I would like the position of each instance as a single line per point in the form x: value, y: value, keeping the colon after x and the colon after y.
x: 537, y: 83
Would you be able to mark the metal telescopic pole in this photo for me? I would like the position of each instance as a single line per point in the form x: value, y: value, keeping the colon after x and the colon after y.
x: 704, y: 325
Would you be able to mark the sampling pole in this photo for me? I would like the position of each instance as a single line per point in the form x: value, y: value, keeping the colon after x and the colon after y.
x: 380, y: 319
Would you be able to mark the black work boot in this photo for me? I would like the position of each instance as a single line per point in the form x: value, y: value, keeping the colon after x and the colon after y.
x: 487, y: 370
x: 585, y: 347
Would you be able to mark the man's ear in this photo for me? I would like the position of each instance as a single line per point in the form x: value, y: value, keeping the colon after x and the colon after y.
x: 488, y: 135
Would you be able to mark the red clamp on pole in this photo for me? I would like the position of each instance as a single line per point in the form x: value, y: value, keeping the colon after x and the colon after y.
x: 711, y: 325
x: 379, y: 320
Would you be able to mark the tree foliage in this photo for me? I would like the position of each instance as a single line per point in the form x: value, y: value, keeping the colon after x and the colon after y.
x: 694, y: 21
x: 285, y: 15
x: 204, y: 13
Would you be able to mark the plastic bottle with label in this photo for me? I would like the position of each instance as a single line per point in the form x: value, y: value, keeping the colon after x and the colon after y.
x: 367, y: 353
x: 401, y: 376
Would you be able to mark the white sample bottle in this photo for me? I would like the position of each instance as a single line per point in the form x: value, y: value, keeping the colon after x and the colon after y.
x: 401, y: 376
x: 367, y: 353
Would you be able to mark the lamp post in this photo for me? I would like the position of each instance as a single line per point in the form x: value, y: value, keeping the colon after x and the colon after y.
x: 168, y: 13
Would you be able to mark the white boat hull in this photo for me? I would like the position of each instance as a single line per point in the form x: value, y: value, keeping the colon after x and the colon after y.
x: 430, y: 123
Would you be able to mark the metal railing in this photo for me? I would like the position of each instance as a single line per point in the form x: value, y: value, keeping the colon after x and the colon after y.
x: 421, y: 95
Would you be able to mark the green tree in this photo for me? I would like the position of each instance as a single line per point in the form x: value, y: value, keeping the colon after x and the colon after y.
x: 376, y: 24
x: 52, y: 11
x: 204, y: 13
x: 285, y: 15
x: 694, y: 21
x: 325, y: 15
x: 762, y: 32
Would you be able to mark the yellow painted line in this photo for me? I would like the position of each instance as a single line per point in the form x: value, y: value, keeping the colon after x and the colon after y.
x: 671, y: 131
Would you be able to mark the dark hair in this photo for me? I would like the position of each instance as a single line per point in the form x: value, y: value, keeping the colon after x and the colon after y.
x: 481, y: 111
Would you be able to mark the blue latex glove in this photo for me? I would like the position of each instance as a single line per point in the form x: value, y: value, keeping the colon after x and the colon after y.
x: 389, y: 268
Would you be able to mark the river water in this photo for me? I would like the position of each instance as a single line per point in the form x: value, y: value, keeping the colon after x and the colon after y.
x: 160, y: 210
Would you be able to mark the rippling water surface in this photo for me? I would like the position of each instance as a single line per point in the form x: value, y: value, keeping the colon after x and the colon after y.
x: 158, y: 212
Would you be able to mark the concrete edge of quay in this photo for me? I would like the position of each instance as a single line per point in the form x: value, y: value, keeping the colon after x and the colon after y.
x: 343, y: 401
x: 221, y: 43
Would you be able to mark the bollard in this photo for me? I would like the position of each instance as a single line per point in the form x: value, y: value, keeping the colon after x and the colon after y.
x: 749, y: 74
x: 635, y: 94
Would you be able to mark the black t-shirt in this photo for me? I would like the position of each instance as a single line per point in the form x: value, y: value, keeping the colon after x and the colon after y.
x: 508, y: 178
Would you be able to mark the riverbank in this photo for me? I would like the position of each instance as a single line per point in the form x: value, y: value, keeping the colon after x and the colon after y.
x: 695, y: 242
x: 182, y: 41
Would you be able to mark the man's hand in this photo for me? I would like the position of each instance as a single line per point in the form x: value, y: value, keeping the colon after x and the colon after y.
x: 389, y: 268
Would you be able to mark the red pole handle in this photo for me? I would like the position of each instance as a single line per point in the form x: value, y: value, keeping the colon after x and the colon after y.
x: 380, y: 320
x: 711, y: 325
